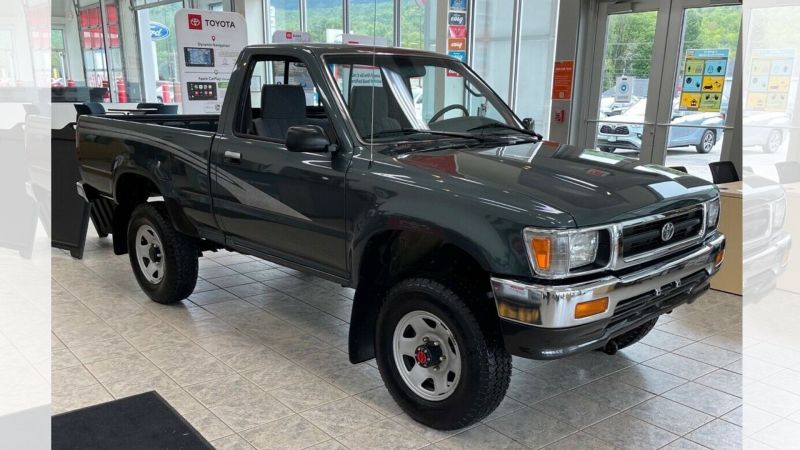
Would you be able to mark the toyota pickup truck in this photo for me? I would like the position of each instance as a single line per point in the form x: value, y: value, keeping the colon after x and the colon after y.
x: 467, y: 237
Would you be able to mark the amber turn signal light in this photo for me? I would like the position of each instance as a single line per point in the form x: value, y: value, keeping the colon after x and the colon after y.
x: 541, y: 250
x: 591, y: 308
x: 719, y: 257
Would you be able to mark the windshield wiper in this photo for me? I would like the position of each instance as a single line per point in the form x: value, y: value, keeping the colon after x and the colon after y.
x: 507, y: 127
x: 431, y: 132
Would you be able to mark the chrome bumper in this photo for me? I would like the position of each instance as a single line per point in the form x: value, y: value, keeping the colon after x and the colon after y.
x: 556, y: 303
x: 770, y: 261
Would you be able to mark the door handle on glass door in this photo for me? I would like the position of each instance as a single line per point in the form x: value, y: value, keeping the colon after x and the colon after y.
x: 234, y: 157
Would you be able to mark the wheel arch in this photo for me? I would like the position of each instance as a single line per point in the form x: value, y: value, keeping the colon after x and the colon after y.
x: 391, y: 255
x: 133, y: 187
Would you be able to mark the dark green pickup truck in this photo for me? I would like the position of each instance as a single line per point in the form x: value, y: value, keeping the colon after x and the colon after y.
x: 403, y: 175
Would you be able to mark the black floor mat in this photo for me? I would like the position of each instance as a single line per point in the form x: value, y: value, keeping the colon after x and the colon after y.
x: 143, y: 421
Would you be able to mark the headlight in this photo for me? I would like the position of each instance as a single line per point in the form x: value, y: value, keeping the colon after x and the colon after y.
x: 554, y: 253
x: 712, y: 214
x: 778, y: 214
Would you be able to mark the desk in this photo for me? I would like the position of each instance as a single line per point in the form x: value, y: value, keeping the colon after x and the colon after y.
x: 729, y: 278
x: 133, y: 111
x: 788, y: 280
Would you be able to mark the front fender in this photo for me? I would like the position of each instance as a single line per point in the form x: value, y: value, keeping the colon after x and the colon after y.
x: 495, y: 243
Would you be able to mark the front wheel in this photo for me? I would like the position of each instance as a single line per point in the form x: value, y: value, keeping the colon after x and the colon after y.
x: 439, y: 364
x: 163, y: 260
x: 707, y: 142
x: 774, y: 141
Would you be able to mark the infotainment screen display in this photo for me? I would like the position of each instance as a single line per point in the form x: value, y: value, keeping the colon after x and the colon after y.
x: 198, y: 57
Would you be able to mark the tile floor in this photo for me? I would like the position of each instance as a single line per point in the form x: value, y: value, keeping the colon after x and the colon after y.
x: 256, y: 358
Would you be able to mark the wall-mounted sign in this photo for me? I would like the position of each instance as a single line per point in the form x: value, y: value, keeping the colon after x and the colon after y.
x: 158, y: 31
x: 457, y: 18
x: 563, y: 72
x: 770, y: 78
x: 209, y: 43
x: 704, y: 79
x: 458, y: 5
x: 457, y: 44
x: 280, y: 36
x: 623, y: 90
x: 457, y: 32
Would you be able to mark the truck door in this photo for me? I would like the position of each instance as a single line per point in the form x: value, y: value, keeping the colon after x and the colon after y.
x: 279, y: 203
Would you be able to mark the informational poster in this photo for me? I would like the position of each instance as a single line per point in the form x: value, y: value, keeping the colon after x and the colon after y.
x: 283, y: 36
x: 457, y: 32
x: 563, y: 72
x: 704, y: 79
x: 209, y: 42
x: 770, y: 78
x: 623, y: 89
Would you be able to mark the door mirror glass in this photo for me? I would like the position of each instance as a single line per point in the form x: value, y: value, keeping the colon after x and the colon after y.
x: 307, y: 138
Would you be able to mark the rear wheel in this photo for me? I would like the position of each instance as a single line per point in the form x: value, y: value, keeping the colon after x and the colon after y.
x: 439, y: 364
x: 707, y: 141
x: 163, y: 260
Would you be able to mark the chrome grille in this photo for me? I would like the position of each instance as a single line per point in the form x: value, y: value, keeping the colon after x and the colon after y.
x: 610, y: 129
x: 756, y: 224
x: 645, y: 237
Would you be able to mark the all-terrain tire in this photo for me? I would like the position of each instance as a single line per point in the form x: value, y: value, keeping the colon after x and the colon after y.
x: 178, y: 253
x: 485, y: 369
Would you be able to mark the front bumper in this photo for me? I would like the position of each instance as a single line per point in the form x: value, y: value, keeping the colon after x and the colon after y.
x: 624, y: 141
x: 763, y: 266
x: 633, y: 299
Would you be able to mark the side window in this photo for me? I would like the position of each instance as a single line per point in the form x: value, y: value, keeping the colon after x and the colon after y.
x: 281, y: 95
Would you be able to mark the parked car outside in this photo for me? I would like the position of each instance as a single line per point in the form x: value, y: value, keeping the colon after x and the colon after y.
x: 700, y: 130
x: 765, y: 129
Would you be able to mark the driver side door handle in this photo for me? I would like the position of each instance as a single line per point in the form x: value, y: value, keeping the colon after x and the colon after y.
x: 233, y: 157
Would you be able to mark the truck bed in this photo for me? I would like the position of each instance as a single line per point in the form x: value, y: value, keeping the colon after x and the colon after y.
x: 171, y: 150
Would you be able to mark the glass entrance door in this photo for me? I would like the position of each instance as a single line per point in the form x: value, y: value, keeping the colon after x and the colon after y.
x: 625, y: 71
x: 693, y: 117
x: 663, y: 73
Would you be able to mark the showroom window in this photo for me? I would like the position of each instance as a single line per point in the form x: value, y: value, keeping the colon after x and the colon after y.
x: 536, y: 57
x: 324, y: 20
x: 159, y: 58
x: 58, y: 58
x: 373, y: 18
x: 418, y: 24
x: 283, y: 15
x: 491, y: 51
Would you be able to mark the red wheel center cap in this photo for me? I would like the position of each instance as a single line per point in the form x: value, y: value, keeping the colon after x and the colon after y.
x: 422, y: 357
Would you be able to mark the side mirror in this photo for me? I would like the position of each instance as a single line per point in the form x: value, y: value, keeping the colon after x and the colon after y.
x: 527, y: 123
x: 307, y: 138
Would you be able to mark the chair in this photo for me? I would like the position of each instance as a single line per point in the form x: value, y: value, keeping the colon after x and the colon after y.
x: 282, y: 106
x: 371, y: 114
x: 788, y: 171
x: 148, y: 105
x: 167, y: 109
x: 679, y: 169
x: 89, y: 108
x: 723, y: 172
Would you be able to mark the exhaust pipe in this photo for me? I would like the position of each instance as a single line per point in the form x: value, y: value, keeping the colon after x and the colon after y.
x: 611, y: 347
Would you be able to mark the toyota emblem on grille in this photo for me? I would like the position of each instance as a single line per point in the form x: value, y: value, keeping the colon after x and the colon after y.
x: 667, y: 231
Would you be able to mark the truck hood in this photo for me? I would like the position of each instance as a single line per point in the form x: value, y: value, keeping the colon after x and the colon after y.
x: 593, y: 187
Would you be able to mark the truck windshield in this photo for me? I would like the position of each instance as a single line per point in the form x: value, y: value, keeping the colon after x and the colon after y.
x: 419, y: 97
